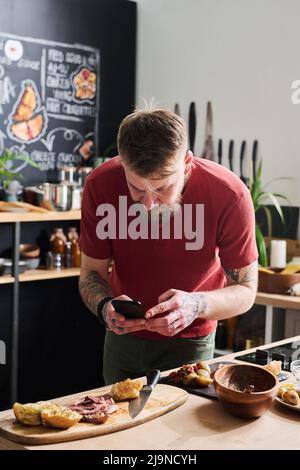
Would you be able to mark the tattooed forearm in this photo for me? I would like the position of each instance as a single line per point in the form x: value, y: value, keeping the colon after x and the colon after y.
x: 93, y: 288
x: 194, y: 305
x: 242, y: 276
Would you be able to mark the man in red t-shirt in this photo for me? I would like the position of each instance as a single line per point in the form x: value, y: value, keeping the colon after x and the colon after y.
x: 180, y: 231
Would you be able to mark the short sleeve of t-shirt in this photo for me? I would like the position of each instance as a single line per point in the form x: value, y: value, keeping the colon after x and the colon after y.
x: 236, y: 238
x: 89, y: 243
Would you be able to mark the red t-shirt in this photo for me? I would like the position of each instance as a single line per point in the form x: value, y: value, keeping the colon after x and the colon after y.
x: 145, y: 268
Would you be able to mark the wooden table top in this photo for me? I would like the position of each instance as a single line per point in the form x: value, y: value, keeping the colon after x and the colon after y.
x: 200, y: 423
x: 276, y: 300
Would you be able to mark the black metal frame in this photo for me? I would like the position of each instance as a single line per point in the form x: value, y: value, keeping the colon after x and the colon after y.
x: 15, y: 314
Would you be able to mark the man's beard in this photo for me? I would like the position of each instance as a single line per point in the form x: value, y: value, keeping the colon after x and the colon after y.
x: 164, y: 211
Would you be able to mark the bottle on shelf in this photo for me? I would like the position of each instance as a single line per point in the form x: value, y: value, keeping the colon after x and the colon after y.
x: 76, y: 255
x: 68, y: 255
x: 75, y: 249
x: 58, y: 240
x: 72, y: 234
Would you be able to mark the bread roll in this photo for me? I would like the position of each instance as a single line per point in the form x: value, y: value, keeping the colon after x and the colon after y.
x: 126, y: 390
x: 30, y: 413
x: 291, y: 397
x: 274, y: 367
x: 60, y: 417
x: 284, y: 387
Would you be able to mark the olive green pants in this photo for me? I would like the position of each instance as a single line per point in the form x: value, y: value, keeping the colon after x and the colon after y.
x: 128, y: 356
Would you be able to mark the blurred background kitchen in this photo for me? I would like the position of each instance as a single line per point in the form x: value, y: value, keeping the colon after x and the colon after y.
x: 70, y: 70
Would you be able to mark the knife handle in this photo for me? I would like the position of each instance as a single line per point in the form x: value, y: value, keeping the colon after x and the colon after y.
x: 153, y: 377
x: 254, y: 154
x: 220, y: 151
x: 230, y: 156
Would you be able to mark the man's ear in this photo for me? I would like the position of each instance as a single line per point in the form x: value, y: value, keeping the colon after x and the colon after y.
x: 188, y: 158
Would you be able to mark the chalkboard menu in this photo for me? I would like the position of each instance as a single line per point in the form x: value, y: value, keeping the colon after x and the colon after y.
x: 49, y: 100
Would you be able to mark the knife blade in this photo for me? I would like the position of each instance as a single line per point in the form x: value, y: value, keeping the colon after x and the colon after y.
x: 230, y: 156
x: 242, y: 155
x: 192, y: 125
x: 220, y: 151
x: 254, y: 156
x: 137, y: 404
x: 177, y: 109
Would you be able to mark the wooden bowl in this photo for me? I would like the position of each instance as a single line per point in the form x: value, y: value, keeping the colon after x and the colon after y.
x: 230, y: 382
x: 276, y: 283
x: 28, y: 250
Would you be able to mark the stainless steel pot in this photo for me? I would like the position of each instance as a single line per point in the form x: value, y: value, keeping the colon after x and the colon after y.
x: 62, y: 196
x: 83, y: 173
x: 68, y: 174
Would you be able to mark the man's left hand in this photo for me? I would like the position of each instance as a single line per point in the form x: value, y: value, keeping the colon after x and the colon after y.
x: 177, y: 309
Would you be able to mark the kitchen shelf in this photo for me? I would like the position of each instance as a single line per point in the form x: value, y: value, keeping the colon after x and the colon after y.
x: 11, y: 217
x: 40, y: 275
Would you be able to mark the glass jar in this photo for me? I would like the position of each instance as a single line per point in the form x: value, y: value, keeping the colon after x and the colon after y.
x: 58, y: 240
x: 68, y: 255
x: 72, y: 233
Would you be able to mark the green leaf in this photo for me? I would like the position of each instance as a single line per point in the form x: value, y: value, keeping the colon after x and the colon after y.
x: 278, y: 179
x: 261, y: 247
x: 269, y: 220
x: 29, y: 161
x: 276, y: 204
x: 108, y: 150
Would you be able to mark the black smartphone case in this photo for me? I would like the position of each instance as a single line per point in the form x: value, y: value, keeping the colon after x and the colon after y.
x: 129, y: 308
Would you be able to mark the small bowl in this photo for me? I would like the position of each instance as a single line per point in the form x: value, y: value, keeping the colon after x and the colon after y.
x: 28, y: 250
x: 231, y: 383
x: 33, y: 263
x: 8, y: 266
x: 276, y: 283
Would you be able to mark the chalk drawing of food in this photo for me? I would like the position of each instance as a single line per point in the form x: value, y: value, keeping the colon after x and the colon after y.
x: 84, y: 83
x: 28, y: 119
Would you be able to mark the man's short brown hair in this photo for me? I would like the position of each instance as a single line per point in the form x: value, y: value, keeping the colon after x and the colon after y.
x: 147, y: 140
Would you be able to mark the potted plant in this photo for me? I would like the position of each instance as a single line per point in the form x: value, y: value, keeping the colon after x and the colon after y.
x: 7, y: 157
x: 260, y: 198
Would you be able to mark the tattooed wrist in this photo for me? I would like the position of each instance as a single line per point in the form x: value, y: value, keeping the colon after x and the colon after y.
x: 104, y: 311
x: 194, y: 305
x: 92, y: 289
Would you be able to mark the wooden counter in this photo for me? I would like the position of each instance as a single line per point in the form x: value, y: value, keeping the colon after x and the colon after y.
x: 12, y: 217
x: 200, y: 423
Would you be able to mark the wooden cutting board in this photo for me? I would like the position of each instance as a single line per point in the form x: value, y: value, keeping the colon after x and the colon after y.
x: 164, y: 398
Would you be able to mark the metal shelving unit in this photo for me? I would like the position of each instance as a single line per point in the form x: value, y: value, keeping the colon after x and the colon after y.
x: 16, y: 218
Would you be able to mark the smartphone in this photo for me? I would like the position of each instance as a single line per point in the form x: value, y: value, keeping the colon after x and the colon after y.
x: 129, y: 308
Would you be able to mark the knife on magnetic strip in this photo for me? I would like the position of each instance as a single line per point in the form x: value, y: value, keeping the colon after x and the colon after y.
x: 192, y: 125
x: 137, y: 404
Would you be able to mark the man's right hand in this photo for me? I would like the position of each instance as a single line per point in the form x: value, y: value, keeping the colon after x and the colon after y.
x: 117, y: 323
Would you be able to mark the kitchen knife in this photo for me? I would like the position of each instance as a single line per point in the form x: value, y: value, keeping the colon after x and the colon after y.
x: 242, y: 155
x: 137, y: 404
x: 220, y: 151
x: 177, y: 109
x: 254, y: 156
x: 192, y: 125
x: 230, y: 155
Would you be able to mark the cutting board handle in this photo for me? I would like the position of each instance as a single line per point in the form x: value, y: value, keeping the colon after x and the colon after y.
x: 153, y: 377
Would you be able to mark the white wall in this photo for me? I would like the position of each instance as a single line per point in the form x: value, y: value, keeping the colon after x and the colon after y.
x: 243, y: 55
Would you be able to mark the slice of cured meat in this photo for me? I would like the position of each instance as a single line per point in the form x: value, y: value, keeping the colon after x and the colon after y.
x: 94, y: 409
